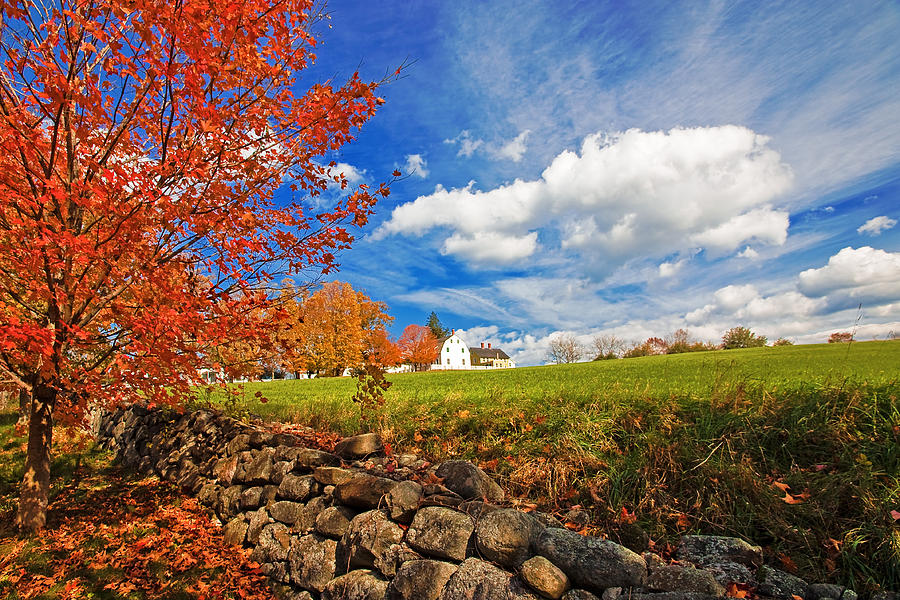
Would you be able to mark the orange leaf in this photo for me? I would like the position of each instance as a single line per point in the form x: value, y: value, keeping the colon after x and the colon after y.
x: 788, y: 563
x: 733, y: 591
x: 793, y: 499
x: 781, y: 486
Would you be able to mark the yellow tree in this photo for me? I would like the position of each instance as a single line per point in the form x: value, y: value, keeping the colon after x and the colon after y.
x: 331, y: 330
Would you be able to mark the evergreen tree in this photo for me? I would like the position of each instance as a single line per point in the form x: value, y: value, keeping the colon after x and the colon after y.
x: 437, y: 328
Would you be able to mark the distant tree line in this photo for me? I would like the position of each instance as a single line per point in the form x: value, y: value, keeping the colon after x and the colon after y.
x: 565, y: 348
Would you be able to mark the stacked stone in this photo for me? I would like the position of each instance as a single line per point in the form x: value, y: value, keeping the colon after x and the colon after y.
x: 333, y: 526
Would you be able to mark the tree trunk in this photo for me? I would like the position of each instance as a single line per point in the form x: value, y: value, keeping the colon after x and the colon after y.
x: 35, y: 489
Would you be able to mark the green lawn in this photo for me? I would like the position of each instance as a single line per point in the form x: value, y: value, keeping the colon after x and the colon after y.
x: 690, y: 442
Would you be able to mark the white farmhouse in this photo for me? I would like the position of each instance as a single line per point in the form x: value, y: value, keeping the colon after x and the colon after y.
x: 454, y: 354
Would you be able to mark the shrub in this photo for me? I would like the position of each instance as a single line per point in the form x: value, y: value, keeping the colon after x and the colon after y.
x: 782, y: 341
x: 840, y: 337
x: 742, y: 337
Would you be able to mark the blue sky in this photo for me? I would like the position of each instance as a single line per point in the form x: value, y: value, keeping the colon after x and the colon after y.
x: 628, y: 168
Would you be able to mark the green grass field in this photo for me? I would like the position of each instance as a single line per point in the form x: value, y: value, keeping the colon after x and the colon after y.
x: 699, y: 442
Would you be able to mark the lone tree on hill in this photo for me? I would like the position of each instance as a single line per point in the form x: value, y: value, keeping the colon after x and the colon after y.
x: 608, y: 347
x: 142, y: 147
x: 741, y: 337
x: 564, y: 348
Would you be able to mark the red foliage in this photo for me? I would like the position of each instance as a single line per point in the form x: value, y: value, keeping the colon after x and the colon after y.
x: 132, y: 537
x: 418, y: 345
x: 840, y: 337
x: 141, y: 147
x: 382, y: 350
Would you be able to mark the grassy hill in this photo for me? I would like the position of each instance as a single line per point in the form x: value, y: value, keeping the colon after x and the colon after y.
x: 796, y: 448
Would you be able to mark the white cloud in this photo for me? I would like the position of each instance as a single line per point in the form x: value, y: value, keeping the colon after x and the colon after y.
x: 762, y: 225
x: 491, y: 247
x: 416, y: 165
x: 749, y: 253
x: 512, y: 150
x: 628, y: 195
x: 731, y: 297
x: 354, y: 176
x: 467, y: 144
x: 515, y: 149
x: 855, y: 275
x: 474, y: 336
x: 876, y: 225
x: 821, y: 82
x: 668, y: 269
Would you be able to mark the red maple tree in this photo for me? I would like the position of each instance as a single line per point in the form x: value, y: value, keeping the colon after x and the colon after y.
x: 418, y: 346
x: 141, y: 147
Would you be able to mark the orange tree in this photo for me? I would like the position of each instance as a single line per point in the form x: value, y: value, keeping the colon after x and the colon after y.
x: 141, y: 146
x: 381, y: 351
x: 418, y: 346
x: 330, y: 330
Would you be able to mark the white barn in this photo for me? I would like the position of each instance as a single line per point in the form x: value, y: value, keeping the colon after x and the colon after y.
x: 454, y: 354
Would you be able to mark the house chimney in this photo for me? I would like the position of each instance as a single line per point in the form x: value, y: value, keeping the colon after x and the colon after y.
x: 489, y: 345
x: 482, y: 344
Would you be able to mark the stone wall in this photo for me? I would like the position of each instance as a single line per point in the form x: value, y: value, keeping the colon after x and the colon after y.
x: 331, y: 526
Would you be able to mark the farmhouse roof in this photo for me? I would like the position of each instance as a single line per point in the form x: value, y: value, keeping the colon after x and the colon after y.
x: 489, y: 353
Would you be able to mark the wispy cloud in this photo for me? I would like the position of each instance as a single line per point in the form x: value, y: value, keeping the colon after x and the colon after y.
x: 810, y: 76
x: 512, y: 150
x: 876, y: 225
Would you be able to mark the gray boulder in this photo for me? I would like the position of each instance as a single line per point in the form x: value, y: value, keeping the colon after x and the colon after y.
x: 309, y: 512
x: 469, y: 481
x: 236, y: 531
x: 364, y: 491
x: 261, y: 470
x: 708, y: 549
x: 544, y: 577
x: 779, y: 584
x: 821, y: 591
x: 359, y: 446
x: 368, y: 541
x: 258, y: 520
x: 274, y: 544
x: 420, y: 580
x: 229, y: 502
x: 479, y: 580
x: 679, y: 578
x: 361, y: 584
x: 403, y: 500
x: 590, y: 562
x: 309, y: 459
x: 505, y: 536
x: 440, y: 532
x: 285, y: 511
x: 334, y: 521
x: 312, y: 561
x: 298, y: 488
